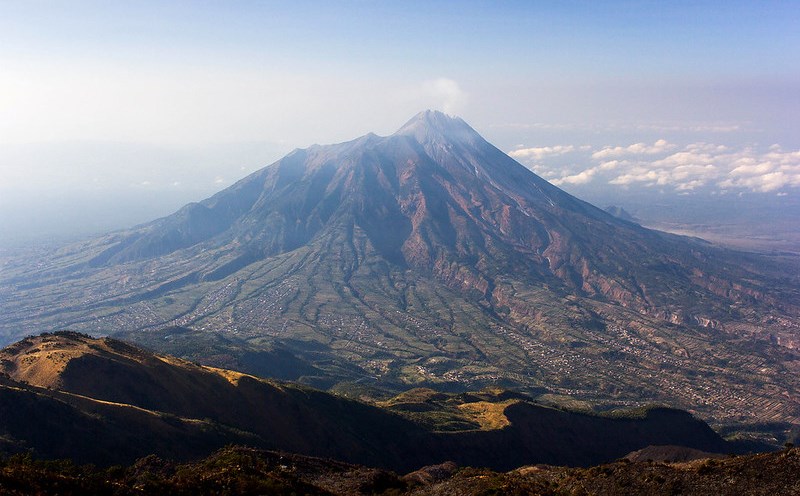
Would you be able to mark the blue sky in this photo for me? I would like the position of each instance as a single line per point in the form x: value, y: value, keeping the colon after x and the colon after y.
x: 630, y: 38
x: 520, y: 60
x: 185, y: 97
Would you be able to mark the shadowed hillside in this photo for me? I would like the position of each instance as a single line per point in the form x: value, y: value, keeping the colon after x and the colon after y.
x: 105, y: 401
x: 237, y: 470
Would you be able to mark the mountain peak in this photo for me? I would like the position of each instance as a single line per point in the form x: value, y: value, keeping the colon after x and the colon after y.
x: 433, y: 125
x: 429, y: 256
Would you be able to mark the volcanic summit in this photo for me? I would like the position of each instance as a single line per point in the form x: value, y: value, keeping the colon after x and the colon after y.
x: 429, y: 257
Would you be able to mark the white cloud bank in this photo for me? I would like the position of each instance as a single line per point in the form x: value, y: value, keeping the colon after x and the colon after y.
x: 668, y: 165
x: 541, y: 152
x: 659, y: 146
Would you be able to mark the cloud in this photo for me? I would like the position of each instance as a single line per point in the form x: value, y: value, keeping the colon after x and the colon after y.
x: 639, y: 174
x: 691, y: 185
x: 687, y: 168
x: 702, y: 164
x: 752, y: 168
x: 542, y: 151
x: 659, y: 146
x: 580, y: 178
x: 765, y: 183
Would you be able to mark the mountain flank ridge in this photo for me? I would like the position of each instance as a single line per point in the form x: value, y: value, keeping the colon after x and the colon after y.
x: 431, y: 258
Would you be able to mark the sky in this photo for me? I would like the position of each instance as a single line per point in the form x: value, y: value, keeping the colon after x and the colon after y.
x: 113, y: 112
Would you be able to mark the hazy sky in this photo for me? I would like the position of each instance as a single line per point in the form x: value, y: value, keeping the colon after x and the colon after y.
x: 169, y: 101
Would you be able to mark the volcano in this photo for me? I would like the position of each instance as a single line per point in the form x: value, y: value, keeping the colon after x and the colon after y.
x: 430, y: 257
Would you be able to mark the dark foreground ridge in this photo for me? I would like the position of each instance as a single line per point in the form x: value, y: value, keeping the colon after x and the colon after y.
x: 236, y: 470
x: 106, y: 402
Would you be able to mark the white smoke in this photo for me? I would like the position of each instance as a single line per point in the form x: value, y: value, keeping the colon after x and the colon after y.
x: 445, y: 94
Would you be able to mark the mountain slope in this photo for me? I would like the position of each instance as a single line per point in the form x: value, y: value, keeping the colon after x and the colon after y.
x: 438, y: 198
x: 429, y: 257
x: 105, y: 401
x: 111, y: 377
